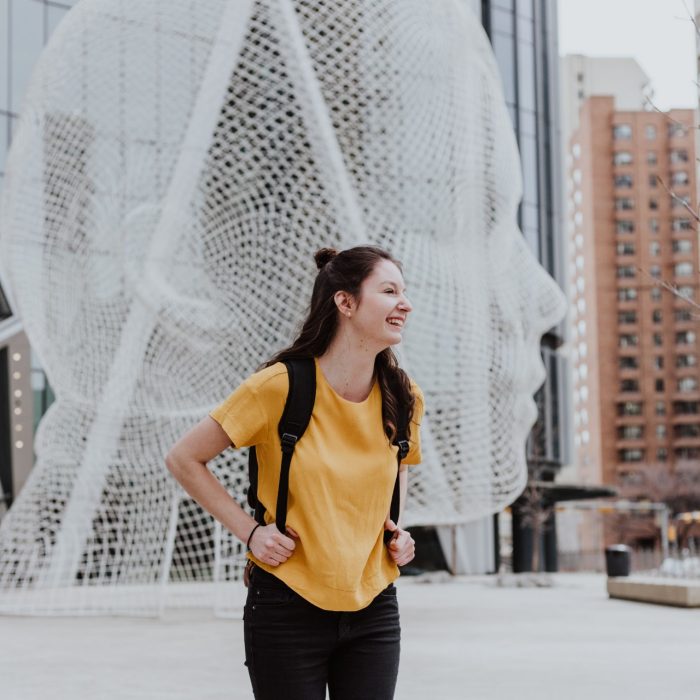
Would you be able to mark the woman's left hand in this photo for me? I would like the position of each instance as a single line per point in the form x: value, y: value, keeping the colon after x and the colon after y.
x: 401, y: 546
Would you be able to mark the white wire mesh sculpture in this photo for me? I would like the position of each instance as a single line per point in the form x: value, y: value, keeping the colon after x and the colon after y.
x: 175, y: 167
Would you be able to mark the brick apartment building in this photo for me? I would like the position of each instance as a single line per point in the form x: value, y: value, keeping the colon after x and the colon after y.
x: 636, y: 374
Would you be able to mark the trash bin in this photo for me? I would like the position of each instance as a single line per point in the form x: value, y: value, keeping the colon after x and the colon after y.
x: 617, y: 560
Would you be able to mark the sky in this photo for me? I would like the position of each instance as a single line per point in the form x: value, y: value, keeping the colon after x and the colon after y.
x: 657, y: 33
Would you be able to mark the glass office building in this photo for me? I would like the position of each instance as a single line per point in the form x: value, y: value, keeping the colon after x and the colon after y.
x: 25, y: 26
x: 523, y: 34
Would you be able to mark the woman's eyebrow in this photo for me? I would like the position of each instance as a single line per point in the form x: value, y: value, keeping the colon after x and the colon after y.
x: 393, y: 284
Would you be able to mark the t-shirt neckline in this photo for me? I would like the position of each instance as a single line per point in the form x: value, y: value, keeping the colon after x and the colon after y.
x: 322, y: 376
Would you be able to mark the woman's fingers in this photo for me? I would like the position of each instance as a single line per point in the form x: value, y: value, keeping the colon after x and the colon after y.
x: 402, y: 548
x: 292, y: 533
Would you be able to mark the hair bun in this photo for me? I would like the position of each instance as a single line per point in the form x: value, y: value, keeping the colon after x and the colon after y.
x: 324, y: 256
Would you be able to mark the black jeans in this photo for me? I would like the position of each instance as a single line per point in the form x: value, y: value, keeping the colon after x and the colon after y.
x: 294, y: 649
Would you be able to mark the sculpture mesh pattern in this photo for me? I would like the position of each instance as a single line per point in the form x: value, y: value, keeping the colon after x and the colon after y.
x: 175, y: 168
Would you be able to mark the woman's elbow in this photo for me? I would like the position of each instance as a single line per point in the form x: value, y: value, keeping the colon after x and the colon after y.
x: 173, y: 463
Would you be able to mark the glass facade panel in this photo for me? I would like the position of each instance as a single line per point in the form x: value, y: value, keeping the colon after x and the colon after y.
x: 4, y: 54
x: 4, y: 138
x: 502, y: 21
x: 528, y: 159
x: 27, y: 40
x: 505, y: 57
x: 524, y: 8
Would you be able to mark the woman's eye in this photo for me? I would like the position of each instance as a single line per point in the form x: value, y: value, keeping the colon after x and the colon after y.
x: 389, y: 290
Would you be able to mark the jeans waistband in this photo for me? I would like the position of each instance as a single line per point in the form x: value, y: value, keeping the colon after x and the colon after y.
x: 259, y: 575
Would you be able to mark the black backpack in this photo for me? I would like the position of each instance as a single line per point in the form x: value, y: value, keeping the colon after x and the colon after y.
x: 294, y: 421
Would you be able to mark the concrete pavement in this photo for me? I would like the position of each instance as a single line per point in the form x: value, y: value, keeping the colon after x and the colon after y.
x: 463, y: 639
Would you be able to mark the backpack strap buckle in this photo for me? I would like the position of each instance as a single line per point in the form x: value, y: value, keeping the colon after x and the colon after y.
x: 288, y: 442
x: 403, y: 448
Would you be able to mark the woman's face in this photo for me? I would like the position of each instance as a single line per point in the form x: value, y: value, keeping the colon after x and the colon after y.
x: 380, y: 313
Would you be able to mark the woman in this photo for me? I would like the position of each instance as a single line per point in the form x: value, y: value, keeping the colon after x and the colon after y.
x: 321, y: 607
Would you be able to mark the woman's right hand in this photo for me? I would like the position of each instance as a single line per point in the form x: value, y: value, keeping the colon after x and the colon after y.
x: 270, y: 546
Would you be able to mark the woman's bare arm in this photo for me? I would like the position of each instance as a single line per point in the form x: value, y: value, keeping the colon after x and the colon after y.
x: 187, y: 462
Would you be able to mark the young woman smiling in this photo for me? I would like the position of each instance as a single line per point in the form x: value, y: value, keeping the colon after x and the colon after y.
x: 321, y: 608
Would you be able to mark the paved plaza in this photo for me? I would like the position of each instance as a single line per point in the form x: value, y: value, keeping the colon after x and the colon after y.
x: 462, y: 639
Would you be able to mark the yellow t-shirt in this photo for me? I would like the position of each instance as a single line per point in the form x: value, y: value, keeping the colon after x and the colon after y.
x: 340, y: 484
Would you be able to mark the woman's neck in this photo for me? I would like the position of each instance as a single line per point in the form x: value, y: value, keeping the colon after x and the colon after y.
x: 349, y: 372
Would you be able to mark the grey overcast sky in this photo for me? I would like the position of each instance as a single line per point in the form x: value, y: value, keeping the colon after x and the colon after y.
x: 657, y: 33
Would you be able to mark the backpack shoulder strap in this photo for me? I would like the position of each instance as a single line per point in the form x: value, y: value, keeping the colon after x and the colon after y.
x: 401, y: 442
x: 295, y: 419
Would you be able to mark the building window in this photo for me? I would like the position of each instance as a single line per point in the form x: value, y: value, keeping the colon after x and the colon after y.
x: 675, y: 129
x: 680, y: 177
x: 681, y: 225
x: 655, y: 271
x: 630, y: 432
x: 653, y: 203
x: 687, y: 384
x: 622, y: 131
x: 626, y: 271
x: 661, y: 431
x: 686, y: 408
x: 623, y: 181
x: 682, y: 245
x: 683, y: 315
x: 627, y: 385
x: 654, y: 248
x: 683, y: 269
x: 629, y: 408
x: 576, y: 150
x: 656, y: 316
x: 627, y: 293
x: 650, y: 132
x: 624, y: 203
x: 660, y: 408
x: 624, y: 226
x: 653, y: 181
x: 622, y: 158
x: 686, y: 291
x: 678, y: 201
x: 651, y: 158
x: 625, y: 248
x: 657, y: 339
x: 687, y: 452
x: 654, y: 225
x: 627, y: 362
x: 627, y: 317
x: 661, y: 454
x: 658, y: 362
x: 686, y: 360
x: 628, y: 340
x: 655, y: 294
x: 685, y: 338
x: 633, y: 455
x: 679, y: 155
x: 684, y: 431
x: 659, y: 385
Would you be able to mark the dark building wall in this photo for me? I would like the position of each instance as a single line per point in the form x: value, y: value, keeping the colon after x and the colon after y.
x: 523, y: 34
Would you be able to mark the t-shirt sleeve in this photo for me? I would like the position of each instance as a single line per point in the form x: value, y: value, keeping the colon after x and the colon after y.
x: 414, y: 455
x: 242, y: 417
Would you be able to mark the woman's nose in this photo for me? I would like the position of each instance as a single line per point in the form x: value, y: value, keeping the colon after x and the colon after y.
x: 405, y: 305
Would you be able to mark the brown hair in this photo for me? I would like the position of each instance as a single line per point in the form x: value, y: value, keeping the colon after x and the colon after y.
x: 346, y: 271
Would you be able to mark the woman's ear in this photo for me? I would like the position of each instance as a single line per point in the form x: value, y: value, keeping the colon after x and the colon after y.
x: 345, y: 303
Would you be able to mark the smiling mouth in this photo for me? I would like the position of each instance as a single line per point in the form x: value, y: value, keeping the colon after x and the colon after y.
x: 396, y: 322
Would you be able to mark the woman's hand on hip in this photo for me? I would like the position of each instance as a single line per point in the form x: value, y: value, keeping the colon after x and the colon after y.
x: 270, y: 546
x: 401, y: 546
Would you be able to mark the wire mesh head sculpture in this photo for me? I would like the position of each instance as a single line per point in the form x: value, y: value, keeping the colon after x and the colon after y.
x: 174, y: 170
